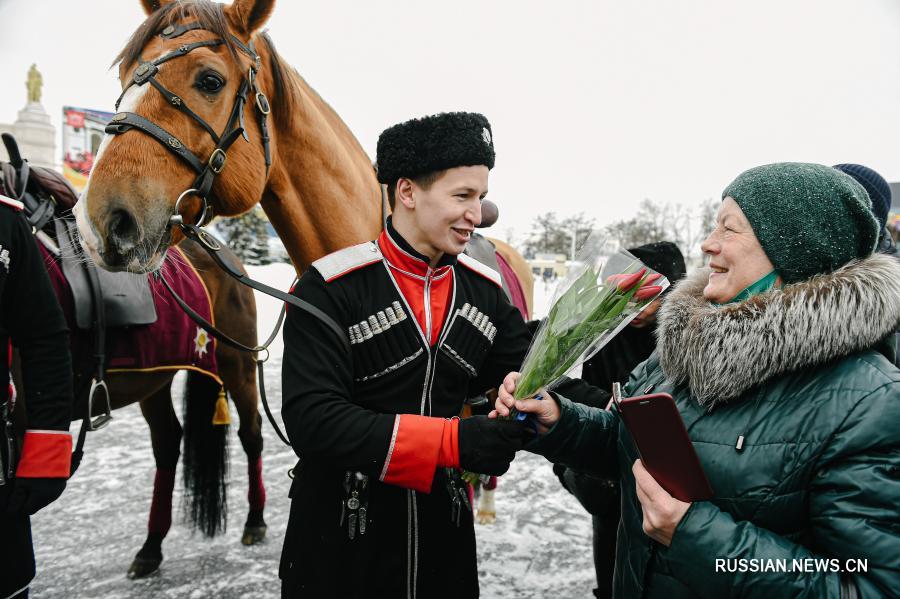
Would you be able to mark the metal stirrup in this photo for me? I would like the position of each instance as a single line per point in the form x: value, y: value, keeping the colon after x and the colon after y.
x: 104, y: 418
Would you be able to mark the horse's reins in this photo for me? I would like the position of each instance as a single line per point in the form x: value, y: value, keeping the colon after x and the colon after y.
x: 206, y: 173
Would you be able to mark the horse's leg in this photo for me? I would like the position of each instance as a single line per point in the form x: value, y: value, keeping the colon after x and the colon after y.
x: 239, y: 375
x: 165, y: 435
x: 487, y: 512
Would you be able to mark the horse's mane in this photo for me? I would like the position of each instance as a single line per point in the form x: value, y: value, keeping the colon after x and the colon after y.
x: 285, y: 95
x: 210, y: 15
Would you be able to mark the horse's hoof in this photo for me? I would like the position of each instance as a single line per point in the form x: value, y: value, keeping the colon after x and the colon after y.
x: 485, y: 517
x: 253, y: 534
x: 143, y: 566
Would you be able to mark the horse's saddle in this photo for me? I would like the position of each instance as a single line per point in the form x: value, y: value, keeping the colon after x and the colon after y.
x: 49, y: 198
x: 480, y: 248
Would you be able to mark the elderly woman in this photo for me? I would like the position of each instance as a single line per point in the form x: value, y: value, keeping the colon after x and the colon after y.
x: 776, y: 359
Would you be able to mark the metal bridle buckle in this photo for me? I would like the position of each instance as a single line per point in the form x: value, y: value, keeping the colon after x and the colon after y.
x: 263, y: 360
x: 212, y: 167
x: 262, y: 102
x: 209, y: 241
x: 104, y: 418
x: 177, y: 219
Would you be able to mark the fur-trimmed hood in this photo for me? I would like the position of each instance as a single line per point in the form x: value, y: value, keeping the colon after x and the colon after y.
x: 722, y: 351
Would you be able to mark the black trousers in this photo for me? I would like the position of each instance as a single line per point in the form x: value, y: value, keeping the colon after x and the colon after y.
x: 16, y: 551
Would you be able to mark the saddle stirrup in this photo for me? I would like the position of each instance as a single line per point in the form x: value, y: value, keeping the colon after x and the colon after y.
x: 104, y: 418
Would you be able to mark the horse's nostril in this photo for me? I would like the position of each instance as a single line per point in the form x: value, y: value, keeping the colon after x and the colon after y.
x: 123, y: 228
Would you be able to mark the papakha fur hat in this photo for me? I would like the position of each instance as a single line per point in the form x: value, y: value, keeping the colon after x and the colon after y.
x: 434, y: 143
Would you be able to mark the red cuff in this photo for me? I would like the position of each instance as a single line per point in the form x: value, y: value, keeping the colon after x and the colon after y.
x: 449, y: 455
x: 46, y: 454
x: 414, y: 451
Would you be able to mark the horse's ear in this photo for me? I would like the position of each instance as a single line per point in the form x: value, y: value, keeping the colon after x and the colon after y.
x: 151, y: 6
x: 248, y: 16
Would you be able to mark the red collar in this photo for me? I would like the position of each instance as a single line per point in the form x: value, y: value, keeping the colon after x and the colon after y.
x: 402, y: 256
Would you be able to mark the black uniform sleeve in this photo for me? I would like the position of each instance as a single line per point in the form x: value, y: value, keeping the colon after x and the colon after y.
x: 37, y: 327
x: 317, y: 384
x: 508, y: 349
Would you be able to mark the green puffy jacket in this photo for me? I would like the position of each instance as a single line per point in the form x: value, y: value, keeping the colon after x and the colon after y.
x: 818, y: 477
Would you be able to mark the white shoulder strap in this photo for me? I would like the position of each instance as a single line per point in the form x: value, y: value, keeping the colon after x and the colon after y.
x: 341, y: 262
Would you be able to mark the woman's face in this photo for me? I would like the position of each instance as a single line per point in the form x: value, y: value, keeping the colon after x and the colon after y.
x: 735, y: 255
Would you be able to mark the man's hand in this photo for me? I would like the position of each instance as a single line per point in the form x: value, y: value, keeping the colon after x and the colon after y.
x: 546, y: 411
x: 662, y: 512
x: 488, y: 446
x: 29, y: 495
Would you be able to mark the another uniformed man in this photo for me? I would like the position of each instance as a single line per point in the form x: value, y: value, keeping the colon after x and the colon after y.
x: 379, y: 509
x: 32, y: 321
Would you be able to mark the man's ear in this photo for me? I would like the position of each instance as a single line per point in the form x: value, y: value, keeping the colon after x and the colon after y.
x: 403, y: 193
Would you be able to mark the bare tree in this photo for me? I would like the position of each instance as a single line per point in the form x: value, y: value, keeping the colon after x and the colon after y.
x: 684, y: 226
x: 553, y: 235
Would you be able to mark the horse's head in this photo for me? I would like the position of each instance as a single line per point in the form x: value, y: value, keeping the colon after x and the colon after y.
x: 195, y: 80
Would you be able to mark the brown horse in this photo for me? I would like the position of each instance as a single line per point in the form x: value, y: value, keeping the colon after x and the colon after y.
x: 205, y: 452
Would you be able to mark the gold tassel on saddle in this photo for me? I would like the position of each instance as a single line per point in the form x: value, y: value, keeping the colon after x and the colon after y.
x: 222, y: 415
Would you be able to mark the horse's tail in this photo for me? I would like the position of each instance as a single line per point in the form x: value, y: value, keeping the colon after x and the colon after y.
x: 205, y: 456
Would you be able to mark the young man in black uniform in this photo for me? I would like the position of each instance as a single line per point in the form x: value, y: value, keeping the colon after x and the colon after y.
x: 32, y: 321
x: 379, y: 509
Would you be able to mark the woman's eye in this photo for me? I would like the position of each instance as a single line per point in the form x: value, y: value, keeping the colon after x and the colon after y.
x: 210, y: 83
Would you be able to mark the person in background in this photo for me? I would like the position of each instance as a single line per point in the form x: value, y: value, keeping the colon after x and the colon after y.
x: 31, y: 321
x: 879, y: 191
x: 777, y: 360
x: 633, y: 345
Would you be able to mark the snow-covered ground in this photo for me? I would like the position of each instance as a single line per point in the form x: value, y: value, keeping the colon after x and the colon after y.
x: 540, y: 545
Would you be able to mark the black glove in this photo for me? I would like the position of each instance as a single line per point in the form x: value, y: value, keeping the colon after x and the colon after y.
x: 487, y: 446
x: 31, y: 494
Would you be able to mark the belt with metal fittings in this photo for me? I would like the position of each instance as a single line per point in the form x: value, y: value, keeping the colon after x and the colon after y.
x: 7, y: 438
x: 355, y: 503
x: 459, y: 494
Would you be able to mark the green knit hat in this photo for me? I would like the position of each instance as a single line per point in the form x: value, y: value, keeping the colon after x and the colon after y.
x: 809, y: 218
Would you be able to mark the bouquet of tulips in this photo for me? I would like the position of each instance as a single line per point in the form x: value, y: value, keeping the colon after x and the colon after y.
x: 598, y: 298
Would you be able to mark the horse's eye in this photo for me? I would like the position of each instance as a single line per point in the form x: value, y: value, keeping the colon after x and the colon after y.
x: 210, y: 83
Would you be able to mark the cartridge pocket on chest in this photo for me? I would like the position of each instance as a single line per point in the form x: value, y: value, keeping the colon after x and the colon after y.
x: 383, y: 343
x: 469, y: 338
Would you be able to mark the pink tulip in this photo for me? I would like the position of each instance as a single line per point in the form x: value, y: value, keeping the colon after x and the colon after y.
x: 651, y: 278
x: 647, y: 292
x: 626, y: 282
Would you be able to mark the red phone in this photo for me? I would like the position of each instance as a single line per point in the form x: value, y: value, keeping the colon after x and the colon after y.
x: 666, y: 450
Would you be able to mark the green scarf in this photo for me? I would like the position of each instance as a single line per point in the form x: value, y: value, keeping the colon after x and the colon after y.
x: 761, y: 286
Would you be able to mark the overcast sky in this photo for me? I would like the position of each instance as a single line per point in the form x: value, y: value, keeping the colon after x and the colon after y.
x: 594, y: 104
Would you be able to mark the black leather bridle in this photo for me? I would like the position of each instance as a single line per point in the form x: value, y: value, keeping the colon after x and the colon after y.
x: 206, y: 169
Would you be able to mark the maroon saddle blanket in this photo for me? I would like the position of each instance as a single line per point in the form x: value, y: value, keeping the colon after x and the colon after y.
x: 173, y: 342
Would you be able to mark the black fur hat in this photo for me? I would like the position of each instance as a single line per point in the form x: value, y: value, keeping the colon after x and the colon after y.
x: 434, y: 143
